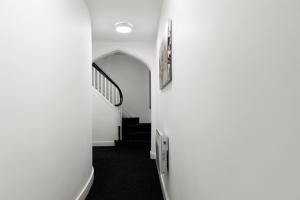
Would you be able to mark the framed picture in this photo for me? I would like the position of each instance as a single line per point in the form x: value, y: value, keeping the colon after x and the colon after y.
x: 165, y: 57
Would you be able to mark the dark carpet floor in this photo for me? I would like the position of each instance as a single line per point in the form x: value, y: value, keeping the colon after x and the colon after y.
x: 123, y: 173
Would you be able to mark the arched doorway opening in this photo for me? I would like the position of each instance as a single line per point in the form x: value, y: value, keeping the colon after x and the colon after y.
x: 133, y: 77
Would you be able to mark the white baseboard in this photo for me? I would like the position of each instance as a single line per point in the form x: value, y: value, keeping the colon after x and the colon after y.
x: 163, y: 187
x: 103, y: 143
x: 161, y: 180
x: 86, y: 188
x: 152, y: 155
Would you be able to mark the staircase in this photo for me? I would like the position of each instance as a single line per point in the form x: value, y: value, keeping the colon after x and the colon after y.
x: 135, y: 134
x: 132, y: 133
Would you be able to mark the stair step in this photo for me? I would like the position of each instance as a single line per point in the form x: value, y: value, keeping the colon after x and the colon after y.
x: 139, y: 127
x: 135, y: 133
x: 140, y: 133
x: 138, y: 141
x: 134, y: 143
x: 139, y: 136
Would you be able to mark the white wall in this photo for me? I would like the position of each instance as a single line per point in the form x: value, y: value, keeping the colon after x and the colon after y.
x: 45, y: 104
x: 106, y: 119
x: 232, y: 110
x: 132, y: 76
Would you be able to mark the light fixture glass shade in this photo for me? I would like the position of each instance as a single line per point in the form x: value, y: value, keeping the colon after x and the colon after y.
x: 123, y: 27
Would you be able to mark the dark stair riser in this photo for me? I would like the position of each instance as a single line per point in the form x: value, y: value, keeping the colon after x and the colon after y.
x: 138, y: 127
x: 135, y: 134
x: 133, y: 143
x: 128, y: 122
x: 139, y: 136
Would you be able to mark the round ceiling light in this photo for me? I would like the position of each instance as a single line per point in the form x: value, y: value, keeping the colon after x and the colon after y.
x: 123, y: 27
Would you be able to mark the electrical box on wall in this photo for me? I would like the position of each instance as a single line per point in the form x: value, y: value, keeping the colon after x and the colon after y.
x: 162, y: 152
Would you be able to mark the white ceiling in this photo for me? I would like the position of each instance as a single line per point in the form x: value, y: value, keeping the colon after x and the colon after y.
x: 143, y: 14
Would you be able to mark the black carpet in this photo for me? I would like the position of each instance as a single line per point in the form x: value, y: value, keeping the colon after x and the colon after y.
x: 123, y: 173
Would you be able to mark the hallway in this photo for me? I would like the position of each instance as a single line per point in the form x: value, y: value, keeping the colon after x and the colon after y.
x: 124, y: 173
x: 209, y: 88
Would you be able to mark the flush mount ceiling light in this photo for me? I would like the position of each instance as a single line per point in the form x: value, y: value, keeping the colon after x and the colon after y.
x: 123, y: 27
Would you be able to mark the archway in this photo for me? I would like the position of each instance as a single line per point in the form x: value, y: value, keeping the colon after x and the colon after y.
x: 133, y: 77
x: 106, y: 54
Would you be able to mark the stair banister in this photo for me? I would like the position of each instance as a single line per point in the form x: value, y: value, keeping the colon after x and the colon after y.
x: 96, y: 67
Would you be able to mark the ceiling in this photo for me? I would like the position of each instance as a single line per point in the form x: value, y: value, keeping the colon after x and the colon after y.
x: 143, y: 14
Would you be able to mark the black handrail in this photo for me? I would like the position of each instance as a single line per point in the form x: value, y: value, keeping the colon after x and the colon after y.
x: 106, y: 76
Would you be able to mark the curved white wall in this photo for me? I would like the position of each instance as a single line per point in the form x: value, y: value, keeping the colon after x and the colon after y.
x: 232, y: 110
x: 45, y: 103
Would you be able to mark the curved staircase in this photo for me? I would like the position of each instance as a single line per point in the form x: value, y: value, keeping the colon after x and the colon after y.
x: 131, y: 131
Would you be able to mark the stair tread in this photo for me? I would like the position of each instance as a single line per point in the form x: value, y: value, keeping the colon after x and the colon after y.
x: 138, y: 141
x: 138, y: 127
x: 140, y: 133
x: 140, y: 124
x: 118, y: 142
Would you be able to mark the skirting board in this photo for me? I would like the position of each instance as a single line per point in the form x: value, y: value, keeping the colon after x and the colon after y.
x: 86, y: 188
x: 103, y: 143
x: 161, y: 180
x: 152, y: 155
x: 163, y: 187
